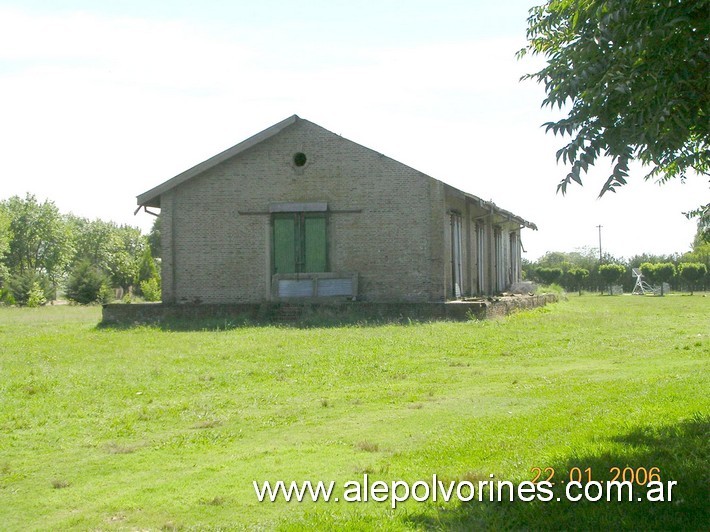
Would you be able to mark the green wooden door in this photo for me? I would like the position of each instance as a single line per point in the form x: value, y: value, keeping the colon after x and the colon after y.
x: 314, y: 244
x: 285, y: 244
x: 299, y: 243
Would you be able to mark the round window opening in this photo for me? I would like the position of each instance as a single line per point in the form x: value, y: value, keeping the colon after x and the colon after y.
x: 299, y: 159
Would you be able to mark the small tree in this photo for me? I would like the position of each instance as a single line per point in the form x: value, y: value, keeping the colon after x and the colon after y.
x: 549, y: 275
x: 611, y: 273
x: 692, y: 272
x: 36, y: 297
x: 663, y: 273
x: 578, y: 275
x: 86, y: 284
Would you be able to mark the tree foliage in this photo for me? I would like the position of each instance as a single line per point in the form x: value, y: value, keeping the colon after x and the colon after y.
x: 36, y: 297
x: 648, y: 270
x: 578, y: 276
x: 665, y: 271
x: 634, y: 76
x: 40, y: 238
x: 702, y: 235
x: 25, y: 288
x: 146, y: 267
x: 700, y: 251
x: 127, y: 248
x: 148, y: 278
x: 4, y: 243
x: 156, y: 248
x: 4, y: 230
x: 692, y: 273
x: 151, y: 289
x: 86, y: 283
x: 611, y: 273
x: 94, y: 241
x: 659, y: 272
x: 549, y: 275
x: 40, y: 244
x: 115, y: 250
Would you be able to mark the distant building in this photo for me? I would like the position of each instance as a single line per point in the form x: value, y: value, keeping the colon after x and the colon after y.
x: 299, y: 212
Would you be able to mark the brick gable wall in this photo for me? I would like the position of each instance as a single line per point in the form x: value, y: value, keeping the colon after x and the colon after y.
x: 216, y: 228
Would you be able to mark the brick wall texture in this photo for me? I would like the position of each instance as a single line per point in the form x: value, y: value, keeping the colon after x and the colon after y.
x: 386, y: 222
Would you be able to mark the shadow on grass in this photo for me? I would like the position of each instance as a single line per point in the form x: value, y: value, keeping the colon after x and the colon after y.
x: 681, y: 452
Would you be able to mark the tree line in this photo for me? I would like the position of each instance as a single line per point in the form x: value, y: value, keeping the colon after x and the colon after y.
x: 46, y: 255
x: 582, y: 270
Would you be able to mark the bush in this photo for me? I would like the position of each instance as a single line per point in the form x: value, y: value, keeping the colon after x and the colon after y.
x: 146, y: 268
x: 6, y: 297
x: 32, y: 284
x: 86, y: 284
x: 151, y: 289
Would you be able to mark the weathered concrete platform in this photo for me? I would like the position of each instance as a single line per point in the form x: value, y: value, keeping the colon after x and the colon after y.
x: 147, y: 313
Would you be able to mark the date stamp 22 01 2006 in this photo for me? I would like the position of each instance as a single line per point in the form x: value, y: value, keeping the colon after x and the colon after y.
x: 616, y: 478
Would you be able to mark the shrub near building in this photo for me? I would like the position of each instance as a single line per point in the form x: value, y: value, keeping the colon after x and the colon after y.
x: 148, y: 280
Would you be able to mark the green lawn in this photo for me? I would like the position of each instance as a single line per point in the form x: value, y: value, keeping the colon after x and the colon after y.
x: 146, y: 428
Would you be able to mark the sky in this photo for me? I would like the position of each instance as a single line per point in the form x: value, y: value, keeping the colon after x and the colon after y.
x: 101, y: 101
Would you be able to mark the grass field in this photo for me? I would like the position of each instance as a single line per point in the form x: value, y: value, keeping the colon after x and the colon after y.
x: 149, y: 428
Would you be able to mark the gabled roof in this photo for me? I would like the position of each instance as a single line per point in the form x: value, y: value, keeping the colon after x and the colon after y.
x: 152, y: 197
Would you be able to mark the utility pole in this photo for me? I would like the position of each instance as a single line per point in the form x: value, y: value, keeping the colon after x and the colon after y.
x: 600, y: 243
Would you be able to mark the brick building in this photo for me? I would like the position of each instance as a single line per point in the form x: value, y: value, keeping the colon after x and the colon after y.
x: 299, y: 212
